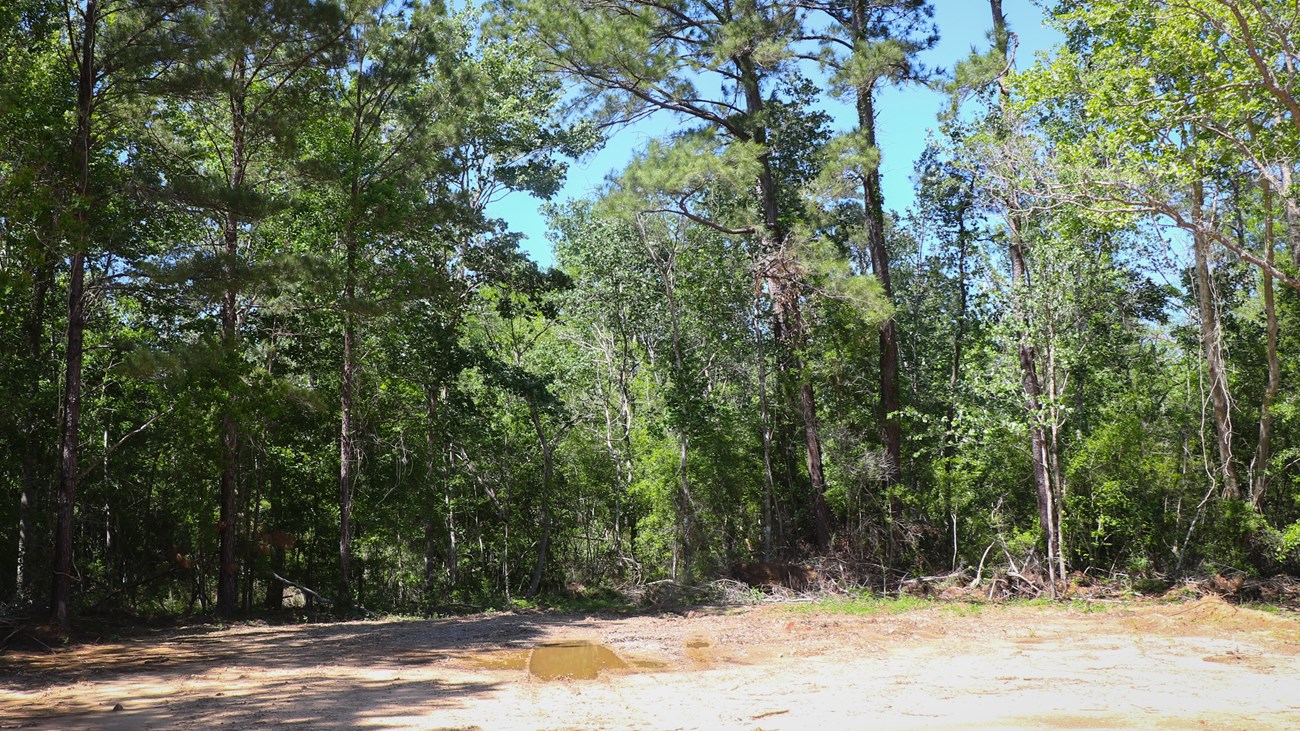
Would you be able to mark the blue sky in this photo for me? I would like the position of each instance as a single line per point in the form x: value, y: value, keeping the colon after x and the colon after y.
x: 905, y: 115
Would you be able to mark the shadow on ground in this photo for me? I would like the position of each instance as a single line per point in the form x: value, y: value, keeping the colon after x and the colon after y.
x: 322, y: 676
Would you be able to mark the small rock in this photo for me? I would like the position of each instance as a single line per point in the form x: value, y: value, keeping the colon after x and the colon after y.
x: 119, y: 707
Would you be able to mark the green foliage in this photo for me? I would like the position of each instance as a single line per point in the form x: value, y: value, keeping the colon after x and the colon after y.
x: 1122, y: 479
x: 529, y: 437
x: 1290, y: 541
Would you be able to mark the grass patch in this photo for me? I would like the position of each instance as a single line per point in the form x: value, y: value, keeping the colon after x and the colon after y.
x: 1084, y: 606
x: 1275, y: 608
x: 864, y: 606
x: 1088, y: 607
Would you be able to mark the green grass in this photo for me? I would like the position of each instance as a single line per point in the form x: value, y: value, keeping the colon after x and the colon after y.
x: 1275, y: 608
x: 1076, y: 605
x: 1087, y: 607
x: 864, y: 606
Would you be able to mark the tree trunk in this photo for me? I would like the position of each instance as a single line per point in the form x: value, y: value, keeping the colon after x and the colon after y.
x: 684, y: 501
x: 436, y: 475
x: 347, y: 437
x: 548, y: 475
x: 619, y: 447
x: 629, y: 464
x: 765, y: 425
x: 788, y: 323
x: 1264, y: 454
x: 32, y: 452
x: 683, y: 506
x: 228, y: 572
x: 1292, y: 213
x: 61, y: 594
x: 1020, y: 284
x: 347, y: 449
x: 1054, y: 454
x: 30, y: 479
x: 431, y: 478
x: 821, y: 512
x: 874, y: 209
x: 1212, y: 348
x: 255, y: 537
x: 1030, y: 386
x: 954, y: 379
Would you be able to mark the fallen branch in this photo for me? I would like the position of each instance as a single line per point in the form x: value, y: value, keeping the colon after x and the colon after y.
x: 305, y: 589
x: 980, y: 573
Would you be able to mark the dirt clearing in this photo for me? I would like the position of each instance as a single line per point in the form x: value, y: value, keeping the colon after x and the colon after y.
x: 1201, y: 665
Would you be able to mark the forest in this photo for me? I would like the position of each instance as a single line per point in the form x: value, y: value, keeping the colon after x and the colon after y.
x: 259, y: 326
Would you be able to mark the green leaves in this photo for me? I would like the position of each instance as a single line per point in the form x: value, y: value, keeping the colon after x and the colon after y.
x: 847, y: 160
x: 682, y: 174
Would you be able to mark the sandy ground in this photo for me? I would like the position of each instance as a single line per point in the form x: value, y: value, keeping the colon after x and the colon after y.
x: 1202, y: 665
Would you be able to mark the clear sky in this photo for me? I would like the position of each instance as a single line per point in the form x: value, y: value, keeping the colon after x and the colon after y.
x: 905, y: 115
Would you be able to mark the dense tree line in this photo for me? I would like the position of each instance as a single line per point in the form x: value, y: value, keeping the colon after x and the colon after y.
x: 257, y: 325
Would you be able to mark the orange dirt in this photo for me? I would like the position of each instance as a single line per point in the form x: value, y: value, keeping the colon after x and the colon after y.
x: 1201, y: 665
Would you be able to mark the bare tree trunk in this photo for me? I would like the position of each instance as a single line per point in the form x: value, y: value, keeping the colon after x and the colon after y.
x: 1212, y: 348
x: 1264, y: 454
